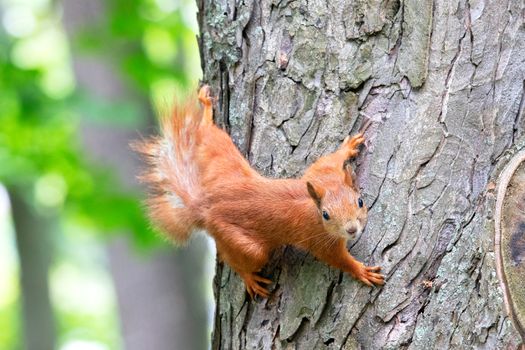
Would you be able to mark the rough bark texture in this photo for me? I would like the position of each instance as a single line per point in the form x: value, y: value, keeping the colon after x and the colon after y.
x: 443, y: 83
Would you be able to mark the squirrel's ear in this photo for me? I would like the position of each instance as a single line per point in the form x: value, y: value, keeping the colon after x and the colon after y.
x: 316, y: 192
x: 349, y: 174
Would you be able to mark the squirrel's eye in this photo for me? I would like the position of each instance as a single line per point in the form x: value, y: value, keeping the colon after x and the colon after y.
x: 325, y: 215
x: 360, y: 202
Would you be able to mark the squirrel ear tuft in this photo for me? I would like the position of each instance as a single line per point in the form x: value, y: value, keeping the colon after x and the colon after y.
x: 317, y: 193
x: 350, y: 177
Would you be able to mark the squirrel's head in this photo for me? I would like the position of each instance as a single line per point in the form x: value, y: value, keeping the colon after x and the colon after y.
x: 340, y: 207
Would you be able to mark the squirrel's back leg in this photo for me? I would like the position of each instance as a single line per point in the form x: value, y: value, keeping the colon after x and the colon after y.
x: 207, y: 103
x: 246, y: 257
x: 247, y: 265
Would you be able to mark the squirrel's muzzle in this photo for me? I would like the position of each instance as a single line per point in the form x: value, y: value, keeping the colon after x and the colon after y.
x: 351, y: 230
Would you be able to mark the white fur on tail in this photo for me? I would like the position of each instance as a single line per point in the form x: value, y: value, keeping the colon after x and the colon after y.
x: 172, y: 174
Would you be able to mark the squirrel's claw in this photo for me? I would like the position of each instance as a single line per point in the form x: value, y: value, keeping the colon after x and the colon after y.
x: 351, y: 144
x: 255, y: 289
x: 251, y: 281
x: 205, y: 95
x: 207, y: 102
x: 369, y: 276
x: 261, y: 279
x: 373, y: 268
x: 354, y: 141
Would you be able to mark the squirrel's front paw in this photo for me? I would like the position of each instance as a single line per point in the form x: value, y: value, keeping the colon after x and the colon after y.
x: 369, y: 275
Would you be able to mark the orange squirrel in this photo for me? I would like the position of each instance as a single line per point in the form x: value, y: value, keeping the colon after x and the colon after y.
x: 201, y: 181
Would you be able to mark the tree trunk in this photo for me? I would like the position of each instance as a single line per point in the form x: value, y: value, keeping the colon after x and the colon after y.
x: 443, y: 83
x: 161, y: 299
x: 34, y: 233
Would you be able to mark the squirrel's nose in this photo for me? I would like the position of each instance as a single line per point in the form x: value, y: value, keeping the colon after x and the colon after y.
x: 351, y: 230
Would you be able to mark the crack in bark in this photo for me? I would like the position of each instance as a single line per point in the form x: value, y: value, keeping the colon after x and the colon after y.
x: 305, y: 321
x: 389, y: 246
x: 445, y: 96
x: 361, y: 314
x: 515, y: 126
x: 382, y: 181
x: 224, y: 97
x: 395, y: 49
x: 327, y: 303
x: 249, y: 119
x: 496, y: 66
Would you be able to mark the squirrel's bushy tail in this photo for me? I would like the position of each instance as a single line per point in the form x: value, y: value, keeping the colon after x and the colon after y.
x: 172, y: 172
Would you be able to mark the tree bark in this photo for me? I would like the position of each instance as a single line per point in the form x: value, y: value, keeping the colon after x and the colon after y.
x: 443, y: 83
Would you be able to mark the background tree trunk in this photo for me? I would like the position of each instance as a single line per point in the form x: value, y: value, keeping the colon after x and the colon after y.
x: 34, y: 241
x: 443, y: 83
x: 161, y: 297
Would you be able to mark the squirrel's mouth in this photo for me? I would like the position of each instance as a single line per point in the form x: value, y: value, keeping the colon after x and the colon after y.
x: 349, y: 235
x: 353, y: 234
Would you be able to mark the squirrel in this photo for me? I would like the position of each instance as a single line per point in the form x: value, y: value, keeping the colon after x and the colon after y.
x: 200, y: 180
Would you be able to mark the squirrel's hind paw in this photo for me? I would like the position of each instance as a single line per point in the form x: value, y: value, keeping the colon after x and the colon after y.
x: 251, y: 281
x: 205, y: 95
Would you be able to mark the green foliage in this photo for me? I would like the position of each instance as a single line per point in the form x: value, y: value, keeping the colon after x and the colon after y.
x: 152, y: 45
x: 151, y: 42
x: 155, y: 51
x: 83, y: 299
x: 40, y: 152
x: 10, y: 319
x: 9, y: 322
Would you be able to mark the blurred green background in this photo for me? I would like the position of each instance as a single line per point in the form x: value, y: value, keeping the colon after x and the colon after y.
x: 80, y: 267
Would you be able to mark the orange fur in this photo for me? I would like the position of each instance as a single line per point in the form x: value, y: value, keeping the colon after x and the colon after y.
x: 203, y: 181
